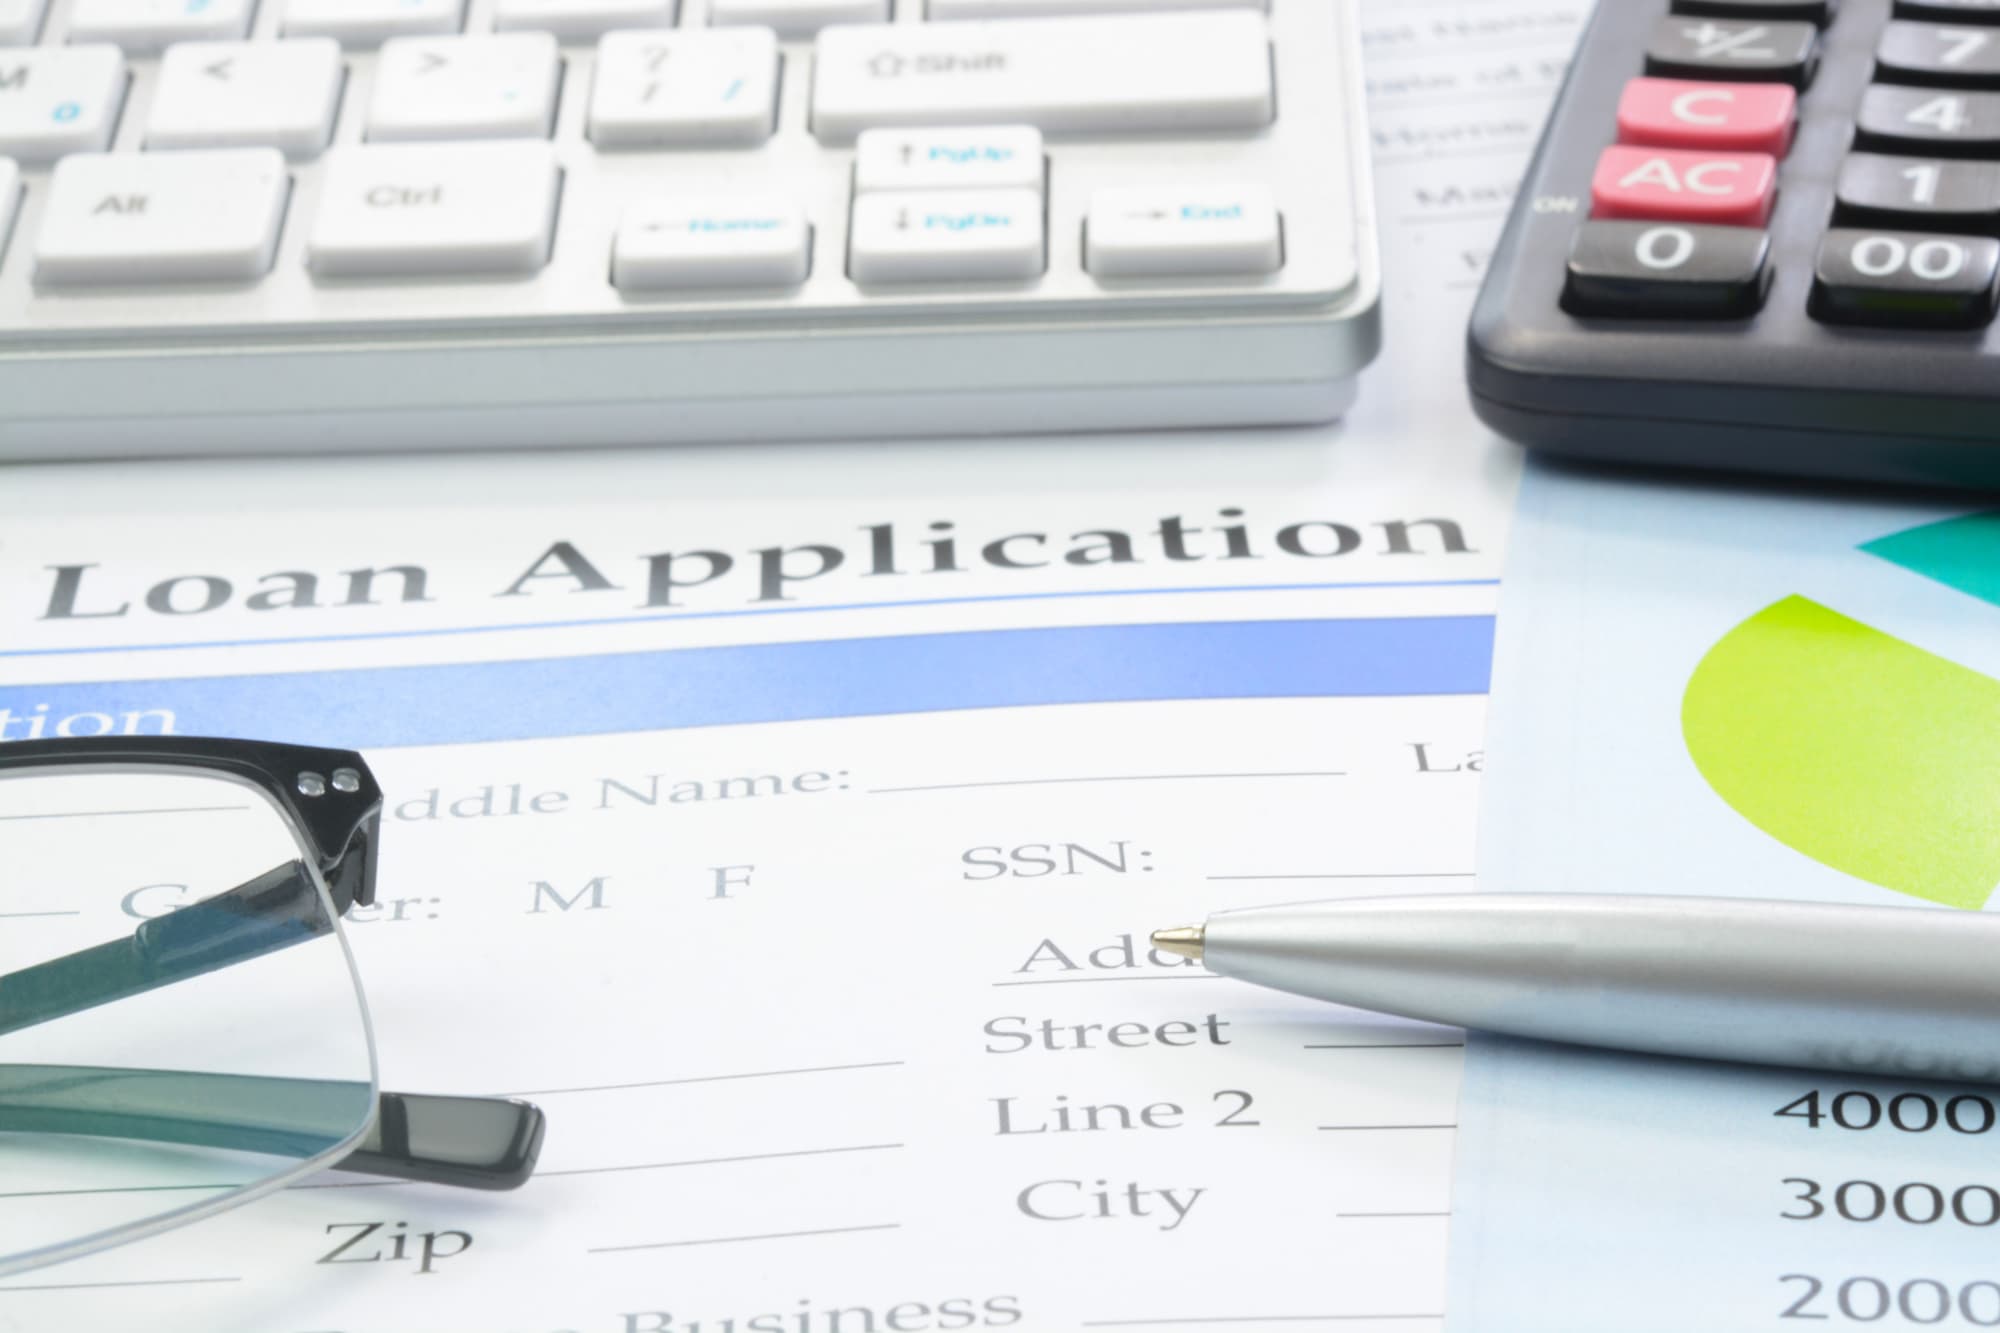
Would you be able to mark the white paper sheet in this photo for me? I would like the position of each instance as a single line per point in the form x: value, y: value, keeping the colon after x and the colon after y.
x: 780, y: 886
x: 1600, y: 1190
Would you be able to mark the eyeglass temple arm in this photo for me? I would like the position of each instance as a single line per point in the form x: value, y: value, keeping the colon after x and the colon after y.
x: 435, y: 1139
x: 274, y: 911
x: 487, y: 1143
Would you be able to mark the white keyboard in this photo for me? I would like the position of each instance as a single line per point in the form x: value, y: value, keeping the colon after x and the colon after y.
x: 263, y: 225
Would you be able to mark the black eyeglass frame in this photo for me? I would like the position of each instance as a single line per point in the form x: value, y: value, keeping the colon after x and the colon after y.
x: 332, y: 799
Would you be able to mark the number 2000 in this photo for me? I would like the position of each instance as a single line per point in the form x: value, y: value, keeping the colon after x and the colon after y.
x: 1868, y: 1300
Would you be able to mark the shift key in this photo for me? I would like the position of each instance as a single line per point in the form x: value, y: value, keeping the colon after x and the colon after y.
x: 1173, y: 72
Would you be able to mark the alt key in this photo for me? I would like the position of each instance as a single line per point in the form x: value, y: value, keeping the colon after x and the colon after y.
x: 1667, y: 271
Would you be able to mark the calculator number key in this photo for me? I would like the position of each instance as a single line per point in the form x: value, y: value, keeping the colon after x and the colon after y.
x: 1906, y: 278
x: 1729, y: 189
x: 1915, y: 192
x: 1926, y: 120
x: 1701, y: 48
x: 1667, y: 270
x: 1809, y: 11
x: 1945, y: 55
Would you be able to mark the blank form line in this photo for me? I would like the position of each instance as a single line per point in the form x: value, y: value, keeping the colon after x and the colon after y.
x: 1110, y: 777
x: 617, y: 1170
x: 22, y: 916
x: 1389, y: 874
x: 1249, y: 1319
x: 105, y: 814
x: 1084, y: 981
x: 734, y: 1240
x: 1445, y: 1213
x: 128, y: 1189
x: 1339, y: 1127
x: 1386, y: 1046
x: 156, y: 1282
x: 707, y: 1078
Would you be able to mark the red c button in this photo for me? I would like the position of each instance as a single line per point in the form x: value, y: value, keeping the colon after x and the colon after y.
x: 1721, y: 117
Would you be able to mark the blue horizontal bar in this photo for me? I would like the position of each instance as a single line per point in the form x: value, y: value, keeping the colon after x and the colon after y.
x: 785, y: 682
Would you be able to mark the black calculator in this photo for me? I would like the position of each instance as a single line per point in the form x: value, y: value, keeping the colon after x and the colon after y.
x: 1760, y: 235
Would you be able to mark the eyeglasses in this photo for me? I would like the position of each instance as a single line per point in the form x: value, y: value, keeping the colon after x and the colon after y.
x: 181, y: 1026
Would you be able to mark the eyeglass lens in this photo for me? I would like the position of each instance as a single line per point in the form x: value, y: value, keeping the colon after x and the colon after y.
x: 180, y: 1023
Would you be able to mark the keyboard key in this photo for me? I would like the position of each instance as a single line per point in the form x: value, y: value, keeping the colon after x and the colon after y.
x: 946, y: 235
x: 1691, y: 48
x: 1723, y: 117
x: 1006, y: 157
x: 700, y: 87
x: 406, y: 209
x: 579, y: 20
x: 1906, y: 278
x: 170, y: 217
x: 1941, y: 55
x: 1950, y: 11
x: 796, y: 18
x: 1667, y: 270
x: 1185, y: 72
x: 1175, y: 231
x: 1725, y: 189
x: 747, y: 241
x: 1927, y: 195
x: 1818, y: 12
x: 20, y: 20
x: 370, y: 22
x: 941, y: 10
x: 10, y: 198
x: 500, y: 87
x: 141, y: 26
x: 1924, y: 120
x: 281, y: 95
x: 56, y: 100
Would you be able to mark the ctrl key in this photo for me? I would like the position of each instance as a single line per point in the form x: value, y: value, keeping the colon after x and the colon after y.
x: 1668, y: 270
x: 1908, y: 279
x: 390, y: 210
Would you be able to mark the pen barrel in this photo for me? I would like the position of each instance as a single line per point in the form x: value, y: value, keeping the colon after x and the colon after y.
x: 1891, y: 991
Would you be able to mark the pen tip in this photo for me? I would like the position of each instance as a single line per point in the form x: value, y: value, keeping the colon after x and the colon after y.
x: 1183, y: 940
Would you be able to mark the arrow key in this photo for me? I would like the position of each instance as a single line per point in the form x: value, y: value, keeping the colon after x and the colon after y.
x: 1003, y: 157
x: 1183, y: 231
x: 279, y: 95
x: 741, y: 241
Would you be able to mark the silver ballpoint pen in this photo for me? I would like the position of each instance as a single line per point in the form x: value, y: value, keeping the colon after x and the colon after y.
x: 1895, y: 991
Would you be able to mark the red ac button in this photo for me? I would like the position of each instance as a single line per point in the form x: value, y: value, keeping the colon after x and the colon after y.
x: 1727, y: 189
x: 1721, y: 117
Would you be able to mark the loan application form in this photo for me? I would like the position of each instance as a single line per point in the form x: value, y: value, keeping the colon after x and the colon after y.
x: 787, y: 822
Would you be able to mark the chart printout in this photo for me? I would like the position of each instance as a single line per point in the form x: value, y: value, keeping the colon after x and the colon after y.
x: 1749, y: 694
x: 788, y: 824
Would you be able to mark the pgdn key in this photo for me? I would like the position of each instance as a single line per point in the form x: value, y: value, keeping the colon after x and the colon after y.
x: 946, y: 235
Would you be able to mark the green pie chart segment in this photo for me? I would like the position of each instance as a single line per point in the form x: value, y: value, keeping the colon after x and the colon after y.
x: 1858, y: 749
x: 1961, y: 553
